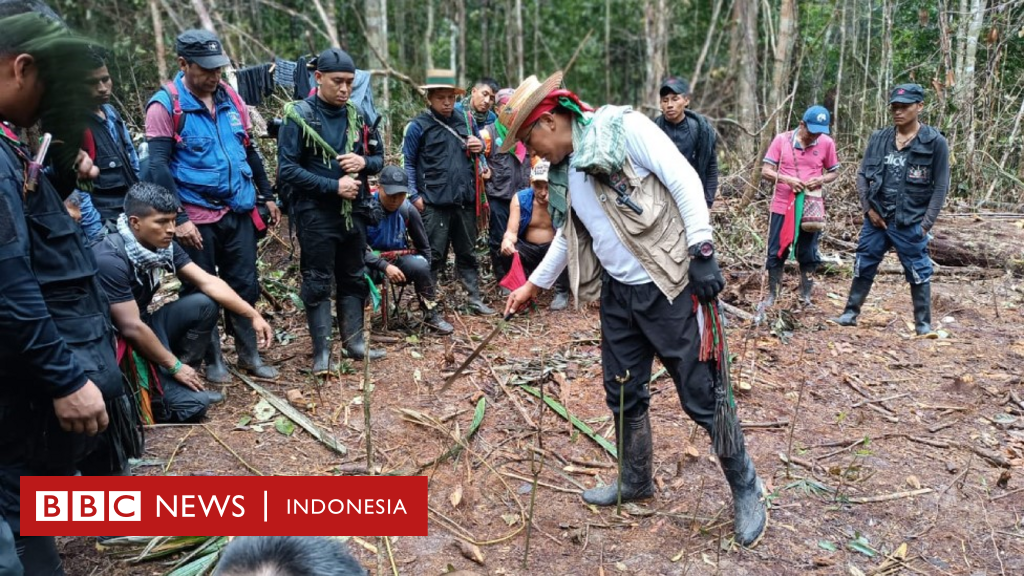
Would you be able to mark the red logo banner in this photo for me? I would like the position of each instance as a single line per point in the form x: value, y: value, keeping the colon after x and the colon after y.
x: 224, y: 505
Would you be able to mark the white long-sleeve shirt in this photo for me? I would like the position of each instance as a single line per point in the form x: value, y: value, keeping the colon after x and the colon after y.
x: 652, y: 152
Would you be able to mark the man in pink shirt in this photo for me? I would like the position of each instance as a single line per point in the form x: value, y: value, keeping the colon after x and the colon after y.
x: 797, y: 161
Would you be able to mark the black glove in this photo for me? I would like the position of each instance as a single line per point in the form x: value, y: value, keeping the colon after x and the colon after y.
x: 706, y: 278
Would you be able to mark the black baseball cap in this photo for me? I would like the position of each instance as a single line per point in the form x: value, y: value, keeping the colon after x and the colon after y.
x: 675, y: 85
x: 203, y: 48
x: 907, y: 94
x: 393, y: 180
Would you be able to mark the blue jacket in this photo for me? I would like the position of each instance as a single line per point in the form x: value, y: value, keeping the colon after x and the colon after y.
x: 209, y: 161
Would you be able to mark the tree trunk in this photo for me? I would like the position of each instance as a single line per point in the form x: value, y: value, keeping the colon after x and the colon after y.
x: 328, y: 21
x: 375, y: 16
x: 712, y: 28
x: 460, y: 23
x: 655, y: 37
x: 428, y: 36
x: 204, y: 16
x: 485, y: 41
x: 783, y: 57
x: 744, y: 58
x: 607, y: 50
x: 158, y: 34
x: 967, y: 83
x: 518, y: 32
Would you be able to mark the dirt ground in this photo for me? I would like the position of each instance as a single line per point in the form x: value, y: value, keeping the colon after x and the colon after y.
x: 904, y: 454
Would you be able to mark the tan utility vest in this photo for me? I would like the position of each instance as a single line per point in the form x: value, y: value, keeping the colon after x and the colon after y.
x: 657, y: 238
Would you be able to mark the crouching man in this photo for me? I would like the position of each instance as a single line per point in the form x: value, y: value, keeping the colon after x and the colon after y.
x: 175, y: 337
x: 629, y: 208
x: 401, y: 219
x: 529, y: 231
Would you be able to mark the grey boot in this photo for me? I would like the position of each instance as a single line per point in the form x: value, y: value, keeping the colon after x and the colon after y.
x: 748, y: 501
x: 921, y: 294
x: 774, y: 285
x: 806, y: 285
x: 433, y: 320
x: 320, y: 323
x: 637, y: 464
x: 351, y: 318
x: 561, y: 300
x: 471, y: 282
x: 858, y: 294
x: 216, y: 370
x: 246, y: 348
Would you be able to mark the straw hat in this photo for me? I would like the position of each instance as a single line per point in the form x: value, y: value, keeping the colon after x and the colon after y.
x: 442, y: 79
x: 526, y: 97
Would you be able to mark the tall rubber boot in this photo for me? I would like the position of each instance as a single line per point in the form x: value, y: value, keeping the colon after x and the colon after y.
x: 858, y: 294
x: 433, y: 319
x: 216, y: 370
x: 471, y: 282
x: 774, y: 285
x: 921, y: 294
x: 351, y: 317
x: 637, y: 464
x: 246, y: 348
x: 561, y: 299
x: 748, y: 498
x: 318, y: 316
x: 806, y: 285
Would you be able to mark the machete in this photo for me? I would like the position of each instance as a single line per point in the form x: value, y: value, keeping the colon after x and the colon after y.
x: 476, y: 352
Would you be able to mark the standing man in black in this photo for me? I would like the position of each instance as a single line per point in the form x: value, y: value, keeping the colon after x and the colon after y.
x: 690, y: 132
x: 199, y: 147
x: 902, y: 182
x: 325, y: 154
x: 57, y: 362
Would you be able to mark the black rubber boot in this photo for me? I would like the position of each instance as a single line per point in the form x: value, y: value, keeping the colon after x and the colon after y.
x: 858, y: 294
x: 637, y: 465
x: 748, y: 498
x: 806, y: 285
x: 193, y: 347
x: 774, y: 285
x: 245, y: 346
x: 216, y: 370
x: 320, y: 323
x: 351, y: 318
x: 433, y: 320
x: 921, y: 294
x: 471, y: 282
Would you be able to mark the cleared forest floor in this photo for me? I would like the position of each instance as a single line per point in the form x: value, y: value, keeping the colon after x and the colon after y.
x: 905, y: 455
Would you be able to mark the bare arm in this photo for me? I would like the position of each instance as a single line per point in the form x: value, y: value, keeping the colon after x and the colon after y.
x: 222, y: 294
x: 511, y: 236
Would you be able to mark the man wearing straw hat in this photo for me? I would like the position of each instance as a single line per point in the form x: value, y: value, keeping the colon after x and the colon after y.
x: 629, y: 210
x: 441, y: 150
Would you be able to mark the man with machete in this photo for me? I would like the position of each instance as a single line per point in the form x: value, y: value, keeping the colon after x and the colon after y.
x: 629, y: 209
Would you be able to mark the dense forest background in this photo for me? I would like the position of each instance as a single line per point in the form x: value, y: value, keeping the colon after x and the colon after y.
x: 754, y: 65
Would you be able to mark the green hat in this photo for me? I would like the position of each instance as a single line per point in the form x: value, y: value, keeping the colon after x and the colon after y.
x: 442, y: 79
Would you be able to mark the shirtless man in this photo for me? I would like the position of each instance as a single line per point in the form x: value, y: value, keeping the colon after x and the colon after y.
x: 530, y: 231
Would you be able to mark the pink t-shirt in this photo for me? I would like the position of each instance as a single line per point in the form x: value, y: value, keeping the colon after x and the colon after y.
x: 790, y: 158
x: 160, y: 125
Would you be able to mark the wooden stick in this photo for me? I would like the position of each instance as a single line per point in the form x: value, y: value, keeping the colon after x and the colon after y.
x: 233, y: 453
x: 880, y: 400
x: 888, y: 497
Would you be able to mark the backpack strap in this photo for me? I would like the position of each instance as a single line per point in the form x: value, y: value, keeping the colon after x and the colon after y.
x: 239, y: 105
x: 177, y: 116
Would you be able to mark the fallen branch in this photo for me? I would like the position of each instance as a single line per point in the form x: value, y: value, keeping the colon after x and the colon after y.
x: 888, y: 497
x: 233, y: 453
x: 431, y: 422
x: 322, y: 436
x: 737, y: 312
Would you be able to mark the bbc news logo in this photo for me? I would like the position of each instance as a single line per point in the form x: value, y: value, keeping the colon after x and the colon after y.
x: 89, y: 506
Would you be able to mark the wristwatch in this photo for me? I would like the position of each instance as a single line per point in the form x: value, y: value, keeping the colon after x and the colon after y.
x: 703, y: 250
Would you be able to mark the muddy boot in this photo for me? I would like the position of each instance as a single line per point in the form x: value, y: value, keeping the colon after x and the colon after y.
x: 320, y: 323
x: 471, y: 282
x: 748, y: 498
x: 858, y: 294
x: 432, y: 318
x: 806, y: 285
x: 921, y: 294
x: 637, y: 465
x: 245, y: 345
x: 351, y: 317
x: 561, y: 300
x: 774, y: 285
x: 216, y: 370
